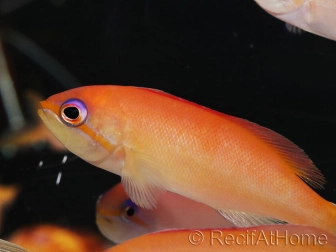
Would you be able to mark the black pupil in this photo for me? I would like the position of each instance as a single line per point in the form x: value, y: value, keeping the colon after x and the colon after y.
x: 130, y: 211
x: 71, y: 112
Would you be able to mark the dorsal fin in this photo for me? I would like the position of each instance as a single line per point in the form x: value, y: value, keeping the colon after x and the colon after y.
x: 291, y: 153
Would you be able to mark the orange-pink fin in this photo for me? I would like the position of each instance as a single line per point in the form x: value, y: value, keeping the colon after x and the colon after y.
x: 291, y: 153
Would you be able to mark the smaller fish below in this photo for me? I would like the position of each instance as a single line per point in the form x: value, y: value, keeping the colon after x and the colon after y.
x: 272, y: 238
x: 315, y: 16
x: 119, y: 219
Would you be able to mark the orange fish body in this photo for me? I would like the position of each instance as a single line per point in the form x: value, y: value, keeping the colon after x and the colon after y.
x: 158, y: 142
x: 273, y: 238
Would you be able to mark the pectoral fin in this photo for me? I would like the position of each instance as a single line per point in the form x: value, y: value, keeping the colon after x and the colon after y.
x: 142, y: 179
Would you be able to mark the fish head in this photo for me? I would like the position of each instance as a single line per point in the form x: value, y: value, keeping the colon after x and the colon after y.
x: 89, y: 123
x: 117, y: 217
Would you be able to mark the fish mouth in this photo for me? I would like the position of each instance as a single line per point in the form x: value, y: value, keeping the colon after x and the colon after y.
x: 47, y: 111
x: 49, y: 116
x: 101, y: 218
x: 44, y: 115
x: 49, y: 106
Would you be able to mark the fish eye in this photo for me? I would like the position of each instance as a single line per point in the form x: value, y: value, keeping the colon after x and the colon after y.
x: 73, y: 112
x: 129, y: 211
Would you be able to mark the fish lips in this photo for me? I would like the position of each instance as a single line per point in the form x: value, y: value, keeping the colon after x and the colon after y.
x: 49, y: 116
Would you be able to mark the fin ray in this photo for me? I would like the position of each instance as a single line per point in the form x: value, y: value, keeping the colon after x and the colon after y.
x: 294, y: 29
x: 142, y: 180
x: 7, y: 246
x: 243, y: 219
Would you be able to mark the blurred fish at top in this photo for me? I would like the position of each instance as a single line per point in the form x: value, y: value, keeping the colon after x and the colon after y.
x: 315, y: 16
x: 31, y: 135
x: 119, y: 219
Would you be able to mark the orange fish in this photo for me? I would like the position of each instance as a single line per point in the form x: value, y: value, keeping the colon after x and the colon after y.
x: 119, y: 219
x: 273, y: 238
x: 158, y: 142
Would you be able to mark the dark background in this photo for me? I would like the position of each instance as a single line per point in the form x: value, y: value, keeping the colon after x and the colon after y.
x: 229, y: 56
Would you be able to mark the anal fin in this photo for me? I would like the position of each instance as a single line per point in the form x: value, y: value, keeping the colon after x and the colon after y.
x: 242, y: 219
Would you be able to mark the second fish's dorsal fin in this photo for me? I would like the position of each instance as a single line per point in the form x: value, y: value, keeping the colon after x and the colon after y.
x: 242, y: 219
x: 142, y: 180
x: 290, y: 152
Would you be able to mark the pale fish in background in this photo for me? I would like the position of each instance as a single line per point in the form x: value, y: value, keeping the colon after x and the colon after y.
x: 52, y: 238
x: 315, y: 16
x: 273, y: 238
x: 30, y: 135
x: 119, y: 219
x: 158, y: 142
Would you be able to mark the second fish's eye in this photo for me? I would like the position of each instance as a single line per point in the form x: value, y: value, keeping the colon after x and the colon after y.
x: 130, y: 210
x: 73, y: 112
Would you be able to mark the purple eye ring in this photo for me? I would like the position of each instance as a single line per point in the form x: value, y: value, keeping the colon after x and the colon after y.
x: 73, y: 112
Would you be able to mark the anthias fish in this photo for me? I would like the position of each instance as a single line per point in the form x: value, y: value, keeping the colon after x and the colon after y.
x: 158, y: 142
x: 273, y: 238
x: 315, y: 16
x: 119, y: 219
